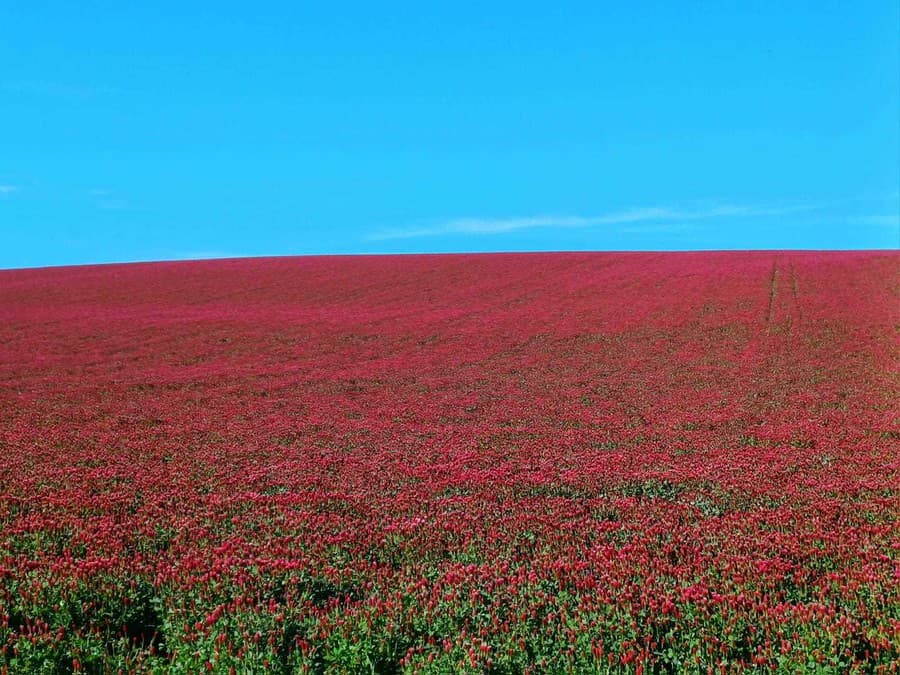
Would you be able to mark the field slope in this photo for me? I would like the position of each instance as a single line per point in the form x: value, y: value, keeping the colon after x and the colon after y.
x: 505, y: 463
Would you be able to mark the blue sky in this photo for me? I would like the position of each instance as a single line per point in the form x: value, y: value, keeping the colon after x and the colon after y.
x: 142, y: 131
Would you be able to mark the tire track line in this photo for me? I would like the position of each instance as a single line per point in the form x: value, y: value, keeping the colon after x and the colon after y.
x: 773, y: 293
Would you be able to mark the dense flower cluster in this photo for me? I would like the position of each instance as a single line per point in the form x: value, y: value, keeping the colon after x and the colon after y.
x: 504, y: 463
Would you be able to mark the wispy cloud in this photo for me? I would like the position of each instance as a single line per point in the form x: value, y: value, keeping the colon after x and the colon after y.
x: 8, y: 189
x: 203, y: 255
x: 55, y: 89
x: 113, y: 205
x: 632, y: 216
x: 878, y: 220
x: 107, y: 200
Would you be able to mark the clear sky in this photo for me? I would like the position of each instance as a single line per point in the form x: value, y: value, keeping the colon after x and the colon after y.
x: 142, y: 131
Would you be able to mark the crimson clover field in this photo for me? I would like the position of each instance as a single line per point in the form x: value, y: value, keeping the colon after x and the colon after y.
x: 594, y: 463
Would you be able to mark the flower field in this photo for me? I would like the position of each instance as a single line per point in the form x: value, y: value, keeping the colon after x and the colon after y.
x: 530, y: 463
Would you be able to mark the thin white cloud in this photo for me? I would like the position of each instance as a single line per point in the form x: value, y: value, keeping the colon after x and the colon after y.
x: 878, y: 220
x: 55, y: 89
x: 633, y: 216
x: 204, y: 255
x: 113, y: 205
x: 8, y: 189
x: 872, y: 221
x: 108, y: 200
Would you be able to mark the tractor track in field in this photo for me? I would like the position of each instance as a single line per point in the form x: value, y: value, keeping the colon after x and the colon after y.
x: 773, y: 293
x: 795, y: 292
